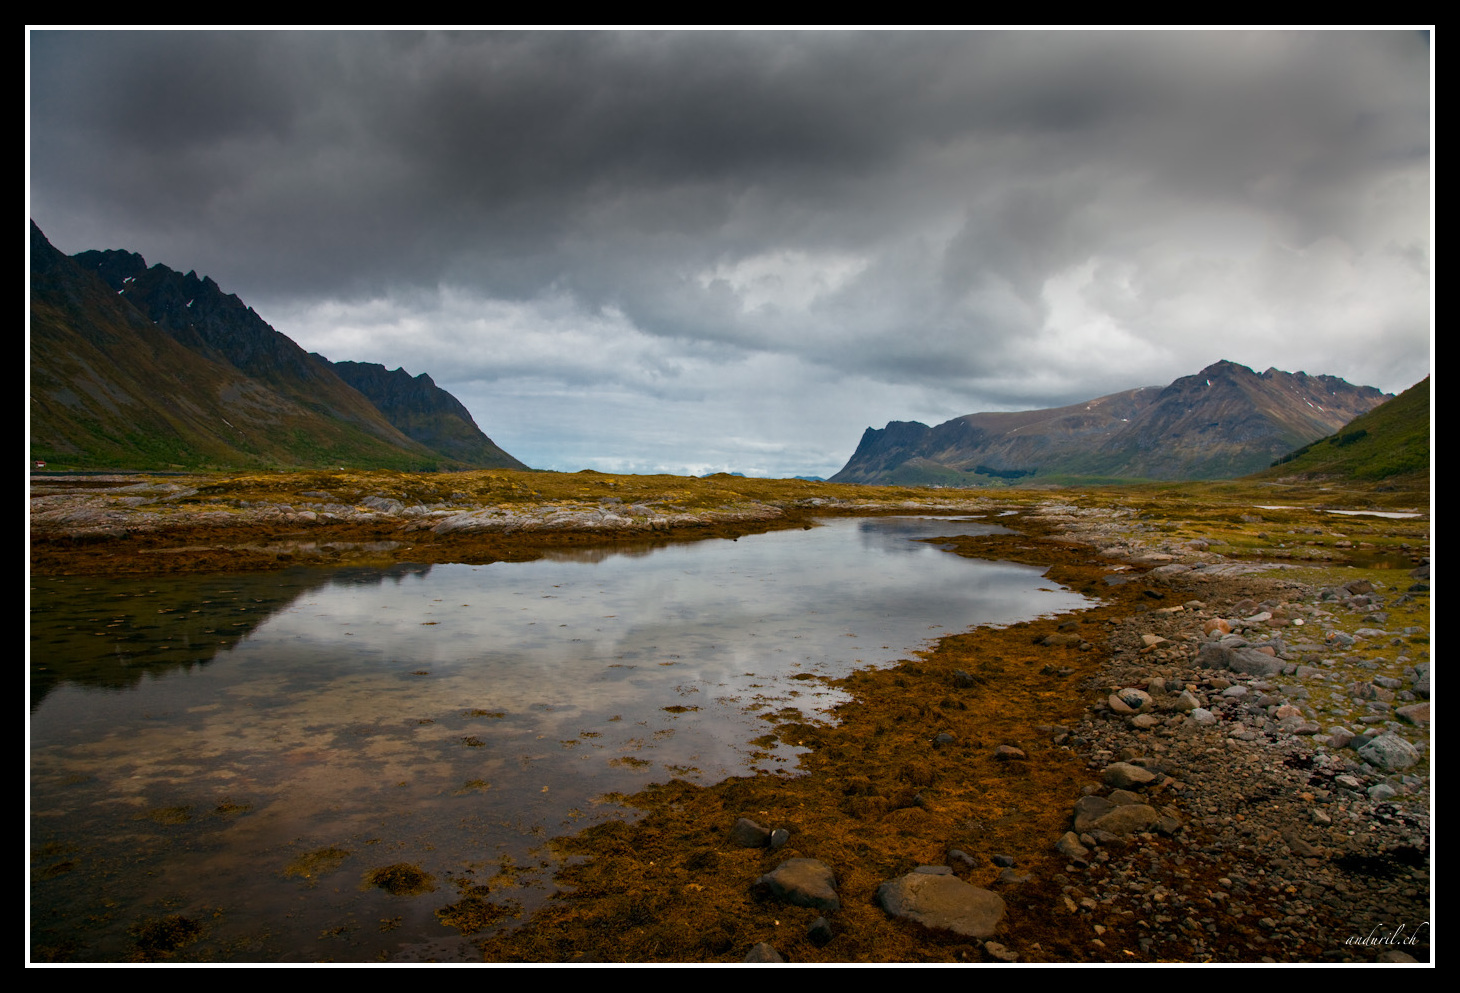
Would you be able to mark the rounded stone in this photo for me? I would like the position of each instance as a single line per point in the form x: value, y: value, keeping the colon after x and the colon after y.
x: 942, y: 903
x: 1123, y: 775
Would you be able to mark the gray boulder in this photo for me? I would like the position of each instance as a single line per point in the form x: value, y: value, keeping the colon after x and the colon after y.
x: 1244, y: 659
x: 803, y: 882
x: 1389, y: 752
x: 763, y: 954
x: 1095, y: 813
x: 1122, y: 775
x: 1090, y: 809
x: 748, y: 834
x: 1070, y: 847
x: 943, y: 903
x: 1422, y: 680
x: 1415, y: 713
x: 1127, y: 819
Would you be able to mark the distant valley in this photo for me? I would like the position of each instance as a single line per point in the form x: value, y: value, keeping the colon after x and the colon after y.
x: 1226, y: 421
x: 147, y: 368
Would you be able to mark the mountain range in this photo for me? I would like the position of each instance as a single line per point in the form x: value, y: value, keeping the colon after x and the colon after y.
x: 143, y: 367
x: 147, y: 368
x: 1225, y: 421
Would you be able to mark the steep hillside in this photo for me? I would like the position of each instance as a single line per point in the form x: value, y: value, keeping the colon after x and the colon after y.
x: 218, y: 326
x: 108, y: 388
x: 1223, y: 422
x: 424, y: 412
x: 195, y: 381
x: 1390, y: 442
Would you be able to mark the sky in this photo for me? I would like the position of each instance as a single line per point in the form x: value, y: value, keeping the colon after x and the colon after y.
x: 677, y: 251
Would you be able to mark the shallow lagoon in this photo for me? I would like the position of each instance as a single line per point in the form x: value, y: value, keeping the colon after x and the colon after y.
x: 239, y: 751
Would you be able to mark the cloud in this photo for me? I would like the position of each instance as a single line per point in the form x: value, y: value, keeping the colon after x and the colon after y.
x: 965, y: 220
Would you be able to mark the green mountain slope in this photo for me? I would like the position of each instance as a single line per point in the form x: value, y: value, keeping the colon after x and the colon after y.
x: 1390, y: 442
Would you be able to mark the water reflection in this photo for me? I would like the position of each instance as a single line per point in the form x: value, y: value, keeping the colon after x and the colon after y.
x: 195, y: 741
x: 899, y: 535
x: 100, y: 633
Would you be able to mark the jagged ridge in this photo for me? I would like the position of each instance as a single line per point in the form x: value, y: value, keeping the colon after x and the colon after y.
x: 144, y: 367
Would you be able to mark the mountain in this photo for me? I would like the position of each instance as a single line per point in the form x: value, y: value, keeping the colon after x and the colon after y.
x: 1223, y: 422
x: 218, y: 326
x: 143, y: 367
x: 108, y: 388
x: 1390, y: 443
x: 423, y: 411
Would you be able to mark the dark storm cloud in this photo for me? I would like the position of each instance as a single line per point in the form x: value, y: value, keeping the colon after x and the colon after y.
x: 478, y: 146
x: 1003, y: 215
x: 546, y: 136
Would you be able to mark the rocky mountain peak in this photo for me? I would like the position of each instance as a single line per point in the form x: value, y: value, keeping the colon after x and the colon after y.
x: 1224, y: 421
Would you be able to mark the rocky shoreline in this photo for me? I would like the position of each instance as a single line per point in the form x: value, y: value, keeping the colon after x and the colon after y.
x: 1263, y: 789
x: 1316, y: 829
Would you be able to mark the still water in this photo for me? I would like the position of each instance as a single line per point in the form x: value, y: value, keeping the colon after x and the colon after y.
x: 218, y: 763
